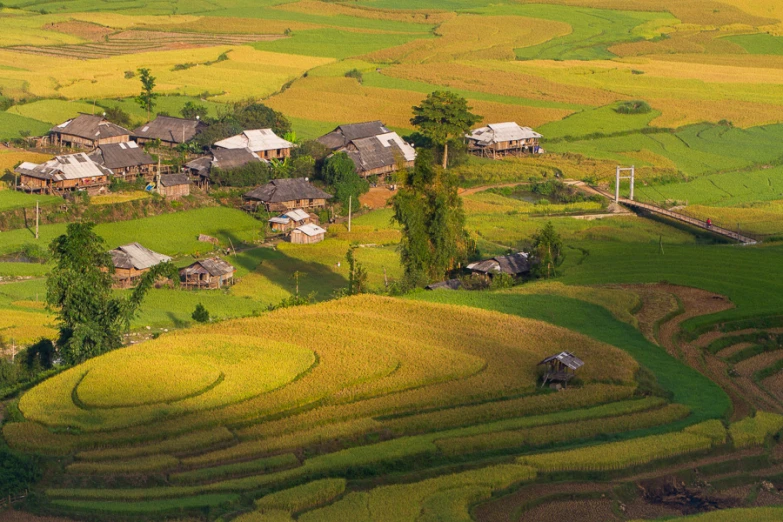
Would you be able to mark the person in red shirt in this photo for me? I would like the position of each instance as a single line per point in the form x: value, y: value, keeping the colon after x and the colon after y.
x: 709, y: 223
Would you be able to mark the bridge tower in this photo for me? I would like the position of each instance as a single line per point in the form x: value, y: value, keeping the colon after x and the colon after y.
x: 618, y: 176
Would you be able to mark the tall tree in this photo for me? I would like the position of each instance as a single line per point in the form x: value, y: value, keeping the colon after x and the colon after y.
x: 357, y: 275
x: 147, y: 97
x: 442, y: 117
x: 547, y: 250
x: 430, y: 212
x: 339, y: 172
x: 92, y: 320
x: 192, y: 110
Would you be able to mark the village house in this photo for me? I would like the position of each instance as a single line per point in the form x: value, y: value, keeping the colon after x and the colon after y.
x: 174, y: 185
x: 126, y: 161
x: 263, y: 142
x: 207, y: 274
x: 87, y: 132
x: 292, y: 219
x: 132, y: 261
x: 169, y: 130
x: 224, y: 159
x: 374, y: 149
x: 63, y: 174
x: 307, y: 234
x: 514, y: 265
x: 287, y: 194
x: 503, y: 139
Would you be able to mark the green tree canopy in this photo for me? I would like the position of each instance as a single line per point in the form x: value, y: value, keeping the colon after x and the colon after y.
x: 339, y: 172
x: 442, y: 117
x: 430, y: 212
x: 147, y: 97
x: 92, y: 319
x: 193, y: 110
x: 547, y: 251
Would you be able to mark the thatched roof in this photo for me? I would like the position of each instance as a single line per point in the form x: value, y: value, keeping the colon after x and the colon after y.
x: 213, y: 266
x: 172, y: 180
x: 280, y: 190
x: 344, y: 134
x: 134, y: 255
x: 72, y: 166
x: 121, y: 155
x: 514, y: 264
x: 90, y: 127
x: 170, y: 129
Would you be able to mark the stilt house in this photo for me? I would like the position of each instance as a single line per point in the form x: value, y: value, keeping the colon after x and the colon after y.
x: 292, y: 219
x: 126, y: 161
x: 169, y: 130
x: 503, y: 139
x: 87, y: 132
x: 287, y: 194
x: 374, y: 149
x: 560, y: 368
x: 210, y: 273
x: 132, y: 261
x: 63, y: 174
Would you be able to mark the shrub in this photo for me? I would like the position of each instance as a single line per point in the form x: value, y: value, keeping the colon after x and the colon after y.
x: 633, y: 107
x: 356, y: 74
x: 200, y: 314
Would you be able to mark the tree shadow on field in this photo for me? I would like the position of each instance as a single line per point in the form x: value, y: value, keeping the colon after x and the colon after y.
x: 279, y: 269
x: 176, y: 321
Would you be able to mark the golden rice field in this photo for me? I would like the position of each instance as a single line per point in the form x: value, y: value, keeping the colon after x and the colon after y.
x: 10, y: 159
x: 26, y: 327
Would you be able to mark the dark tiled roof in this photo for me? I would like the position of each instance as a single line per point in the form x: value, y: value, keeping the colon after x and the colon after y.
x: 121, y: 155
x: 90, y: 127
x: 370, y: 154
x: 172, y: 180
x: 200, y: 165
x: 344, y: 134
x: 169, y: 129
x: 513, y: 264
x: 279, y: 190
x: 450, y: 284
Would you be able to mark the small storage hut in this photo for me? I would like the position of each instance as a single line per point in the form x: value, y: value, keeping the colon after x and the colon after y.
x: 514, y: 265
x: 263, y: 142
x: 169, y: 130
x: 503, y: 139
x: 207, y: 274
x: 287, y: 194
x: 63, y: 174
x: 292, y: 219
x: 126, y: 160
x: 560, y: 368
x: 174, y: 185
x: 131, y: 261
x: 87, y: 132
x: 307, y: 234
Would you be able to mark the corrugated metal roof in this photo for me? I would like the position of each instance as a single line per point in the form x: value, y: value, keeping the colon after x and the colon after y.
x: 513, y: 264
x: 213, y: 266
x: 72, y: 166
x: 311, y: 230
x: 502, y: 132
x: 133, y: 255
x: 567, y: 358
x: 297, y: 214
x: 121, y: 155
x: 256, y: 140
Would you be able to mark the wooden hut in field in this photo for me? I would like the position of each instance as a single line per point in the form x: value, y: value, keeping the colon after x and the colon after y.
x: 374, y: 149
x: 174, y: 185
x: 168, y: 130
x: 132, y: 261
x: 292, y: 219
x: 207, y: 274
x: 287, y: 194
x: 263, y: 142
x: 307, y: 234
x: 126, y: 161
x: 87, y: 132
x: 514, y: 265
x: 503, y: 139
x: 63, y: 174
x: 560, y: 368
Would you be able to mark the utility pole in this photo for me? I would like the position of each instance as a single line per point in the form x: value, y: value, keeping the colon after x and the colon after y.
x: 350, y: 205
x: 37, y: 212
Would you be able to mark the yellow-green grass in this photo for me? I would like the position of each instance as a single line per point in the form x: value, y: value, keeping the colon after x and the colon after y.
x: 122, y: 197
x: 254, y: 73
x: 11, y: 158
x: 753, y: 431
x: 26, y: 327
x: 11, y: 199
x: 188, y: 442
x: 306, y: 496
x: 188, y: 373
x: 54, y: 111
x: 368, y: 347
x: 14, y: 127
x: 138, y: 465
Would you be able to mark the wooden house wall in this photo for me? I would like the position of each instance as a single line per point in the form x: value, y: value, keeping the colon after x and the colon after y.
x: 300, y: 238
x: 274, y: 154
x: 296, y: 203
x: 86, y: 143
x: 176, y: 191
